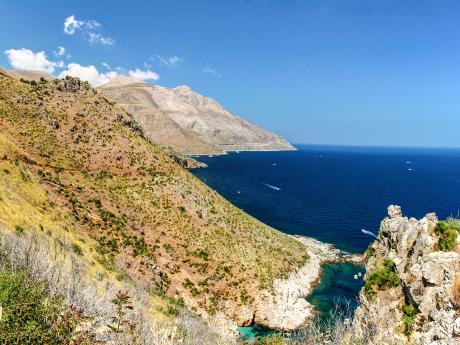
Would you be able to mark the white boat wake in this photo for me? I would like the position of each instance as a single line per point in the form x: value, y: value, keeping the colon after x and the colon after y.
x: 364, y: 231
x: 271, y: 186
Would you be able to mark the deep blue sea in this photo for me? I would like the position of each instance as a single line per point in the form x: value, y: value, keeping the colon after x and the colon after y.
x: 331, y: 193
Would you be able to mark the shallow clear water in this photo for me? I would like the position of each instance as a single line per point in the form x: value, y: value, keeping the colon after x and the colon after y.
x: 336, y: 293
x: 331, y: 194
x: 338, y: 288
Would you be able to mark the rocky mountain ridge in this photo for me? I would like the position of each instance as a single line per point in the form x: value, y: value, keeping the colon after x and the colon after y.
x: 187, y: 121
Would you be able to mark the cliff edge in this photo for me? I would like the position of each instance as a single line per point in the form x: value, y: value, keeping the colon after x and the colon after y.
x: 412, y: 291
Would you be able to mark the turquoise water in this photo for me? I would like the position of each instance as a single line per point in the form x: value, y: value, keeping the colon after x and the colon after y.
x: 255, y: 331
x: 336, y: 292
x: 338, y: 288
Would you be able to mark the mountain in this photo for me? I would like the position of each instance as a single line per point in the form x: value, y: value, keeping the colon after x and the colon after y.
x: 78, y: 176
x: 29, y: 75
x: 187, y: 121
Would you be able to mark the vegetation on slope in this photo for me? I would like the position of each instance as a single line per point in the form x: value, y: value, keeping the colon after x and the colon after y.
x: 39, y: 256
x: 383, y: 278
x: 126, y: 205
x: 29, y: 316
x: 447, y: 232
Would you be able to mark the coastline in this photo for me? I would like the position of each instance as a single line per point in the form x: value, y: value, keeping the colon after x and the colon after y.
x: 222, y: 153
x: 286, y: 308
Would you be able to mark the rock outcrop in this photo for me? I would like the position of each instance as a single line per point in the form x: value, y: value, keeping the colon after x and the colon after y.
x: 423, y: 307
x: 187, y: 121
x: 285, y: 308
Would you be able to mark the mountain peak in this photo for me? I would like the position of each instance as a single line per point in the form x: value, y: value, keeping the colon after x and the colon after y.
x: 188, y: 121
x: 122, y: 80
x: 183, y: 89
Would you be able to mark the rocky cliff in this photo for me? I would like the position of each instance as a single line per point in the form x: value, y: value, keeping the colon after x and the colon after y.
x: 187, y: 121
x: 412, y: 291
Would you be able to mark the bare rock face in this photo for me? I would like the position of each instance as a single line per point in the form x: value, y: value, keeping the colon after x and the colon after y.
x: 285, y: 308
x: 72, y: 84
x: 427, y: 282
x: 187, y: 121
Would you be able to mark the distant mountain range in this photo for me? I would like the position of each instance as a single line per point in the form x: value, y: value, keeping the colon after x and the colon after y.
x: 187, y: 121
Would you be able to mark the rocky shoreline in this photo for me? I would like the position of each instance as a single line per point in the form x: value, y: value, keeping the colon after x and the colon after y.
x: 286, y: 307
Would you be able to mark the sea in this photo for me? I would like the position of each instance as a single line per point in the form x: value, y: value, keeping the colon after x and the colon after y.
x: 338, y: 195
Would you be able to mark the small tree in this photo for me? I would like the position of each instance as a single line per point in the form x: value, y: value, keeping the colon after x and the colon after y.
x: 123, y: 302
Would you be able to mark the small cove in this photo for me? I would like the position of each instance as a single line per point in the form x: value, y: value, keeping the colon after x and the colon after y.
x: 336, y: 292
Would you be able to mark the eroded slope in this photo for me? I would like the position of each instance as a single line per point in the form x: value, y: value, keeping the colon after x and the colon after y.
x: 146, y: 214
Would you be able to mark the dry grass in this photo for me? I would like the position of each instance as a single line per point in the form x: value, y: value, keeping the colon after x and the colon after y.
x: 135, y: 208
x: 36, y: 237
x: 65, y: 274
x: 457, y: 290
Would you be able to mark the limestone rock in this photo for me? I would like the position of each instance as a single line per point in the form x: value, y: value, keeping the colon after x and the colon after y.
x: 286, y: 307
x: 427, y: 280
x: 187, y: 121
x: 394, y: 211
x: 72, y: 84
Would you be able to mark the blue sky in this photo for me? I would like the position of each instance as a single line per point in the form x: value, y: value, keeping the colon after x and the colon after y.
x: 315, y: 71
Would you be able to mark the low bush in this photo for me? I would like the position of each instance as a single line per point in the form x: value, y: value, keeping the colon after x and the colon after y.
x: 30, y: 316
x: 77, y: 249
x: 409, y: 314
x: 447, y: 232
x: 382, y: 279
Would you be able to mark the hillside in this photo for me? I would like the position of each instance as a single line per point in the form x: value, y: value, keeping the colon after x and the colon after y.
x: 187, y: 121
x: 84, y: 170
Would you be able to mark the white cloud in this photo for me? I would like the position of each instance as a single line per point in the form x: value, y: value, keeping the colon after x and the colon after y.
x: 106, y: 65
x: 212, y: 71
x: 89, y: 29
x: 71, y: 24
x: 60, y: 51
x: 171, y: 61
x: 26, y: 59
x: 143, y: 74
x: 88, y: 73
x: 94, y: 37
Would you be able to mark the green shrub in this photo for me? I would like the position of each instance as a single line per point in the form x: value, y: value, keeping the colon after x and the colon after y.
x: 274, y: 339
x: 447, y: 232
x: 409, y: 318
x: 29, y: 316
x: 19, y: 229
x: 370, y: 251
x: 382, y: 279
x: 77, y: 249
